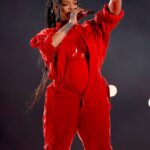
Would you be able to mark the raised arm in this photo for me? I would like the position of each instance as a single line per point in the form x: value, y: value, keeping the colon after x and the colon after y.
x: 115, y: 6
x: 103, y: 22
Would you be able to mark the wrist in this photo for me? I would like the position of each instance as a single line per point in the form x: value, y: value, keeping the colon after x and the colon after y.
x: 71, y: 22
x: 67, y: 27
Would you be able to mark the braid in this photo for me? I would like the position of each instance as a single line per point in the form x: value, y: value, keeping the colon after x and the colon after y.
x: 50, y: 14
x: 50, y: 22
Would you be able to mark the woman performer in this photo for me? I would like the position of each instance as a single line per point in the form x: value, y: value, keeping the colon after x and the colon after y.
x: 77, y: 100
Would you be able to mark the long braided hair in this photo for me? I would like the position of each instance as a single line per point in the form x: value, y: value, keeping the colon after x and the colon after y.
x: 51, y: 20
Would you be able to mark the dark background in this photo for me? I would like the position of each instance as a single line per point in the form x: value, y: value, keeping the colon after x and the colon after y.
x: 126, y: 66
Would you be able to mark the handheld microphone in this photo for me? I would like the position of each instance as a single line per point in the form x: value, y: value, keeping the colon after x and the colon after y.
x: 89, y: 11
x: 86, y: 12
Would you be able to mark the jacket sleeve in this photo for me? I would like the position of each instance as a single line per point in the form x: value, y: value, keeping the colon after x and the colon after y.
x: 104, y: 23
x: 106, y: 20
x: 43, y: 41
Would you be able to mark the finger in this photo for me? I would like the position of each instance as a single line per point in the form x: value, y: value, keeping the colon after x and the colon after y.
x: 81, y: 11
x: 79, y: 16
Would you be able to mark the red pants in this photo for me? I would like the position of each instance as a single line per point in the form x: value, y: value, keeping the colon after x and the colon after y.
x: 65, y: 113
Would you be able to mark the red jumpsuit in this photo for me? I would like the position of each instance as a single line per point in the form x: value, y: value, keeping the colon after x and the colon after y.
x: 77, y: 100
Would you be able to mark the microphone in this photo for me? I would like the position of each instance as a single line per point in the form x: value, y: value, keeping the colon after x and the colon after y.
x: 84, y: 13
x: 89, y: 11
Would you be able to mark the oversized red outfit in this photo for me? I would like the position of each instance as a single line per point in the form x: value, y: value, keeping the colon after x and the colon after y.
x: 78, y: 99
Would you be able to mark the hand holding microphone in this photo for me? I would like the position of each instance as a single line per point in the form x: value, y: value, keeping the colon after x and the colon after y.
x: 84, y: 13
x: 79, y: 13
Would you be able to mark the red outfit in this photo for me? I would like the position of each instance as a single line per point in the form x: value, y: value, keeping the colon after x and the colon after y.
x: 76, y: 73
x: 78, y: 99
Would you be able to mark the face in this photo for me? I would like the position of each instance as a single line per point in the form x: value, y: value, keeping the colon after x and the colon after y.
x: 66, y: 7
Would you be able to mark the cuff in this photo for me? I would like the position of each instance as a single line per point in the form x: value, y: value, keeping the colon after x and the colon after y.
x: 43, y: 41
x: 48, y: 44
x: 108, y: 16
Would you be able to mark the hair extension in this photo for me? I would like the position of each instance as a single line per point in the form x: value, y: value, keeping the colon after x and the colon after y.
x: 50, y: 22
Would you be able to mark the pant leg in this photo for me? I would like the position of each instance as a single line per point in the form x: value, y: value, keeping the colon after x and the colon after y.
x: 94, y: 127
x: 60, y: 119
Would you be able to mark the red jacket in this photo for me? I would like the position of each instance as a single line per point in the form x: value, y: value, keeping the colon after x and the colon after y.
x: 96, y: 34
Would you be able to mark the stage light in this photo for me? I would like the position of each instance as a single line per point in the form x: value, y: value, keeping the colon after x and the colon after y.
x: 149, y: 102
x: 113, y: 90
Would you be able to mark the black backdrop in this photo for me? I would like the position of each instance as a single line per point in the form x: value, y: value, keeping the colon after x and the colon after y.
x: 126, y: 66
